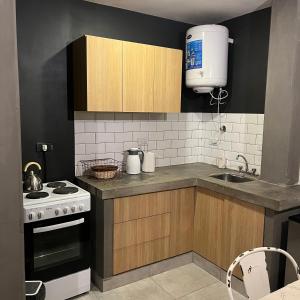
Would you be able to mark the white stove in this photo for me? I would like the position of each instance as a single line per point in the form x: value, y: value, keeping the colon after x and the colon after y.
x: 54, y: 204
x: 57, y: 239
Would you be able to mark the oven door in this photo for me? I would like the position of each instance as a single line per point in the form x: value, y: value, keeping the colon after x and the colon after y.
x: 57, y: 247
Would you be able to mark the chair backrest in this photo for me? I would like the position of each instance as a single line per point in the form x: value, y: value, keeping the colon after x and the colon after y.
x: 255, y: 274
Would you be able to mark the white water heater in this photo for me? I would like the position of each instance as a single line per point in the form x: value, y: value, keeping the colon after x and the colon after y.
x: 206, y: 57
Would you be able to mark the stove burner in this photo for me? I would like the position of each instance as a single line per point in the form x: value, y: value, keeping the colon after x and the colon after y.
x: 56, y: 184
x: 37, y: 195
x: 66, y: 190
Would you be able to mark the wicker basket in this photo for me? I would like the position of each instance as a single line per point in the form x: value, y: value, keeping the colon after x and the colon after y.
x: 102, y: 169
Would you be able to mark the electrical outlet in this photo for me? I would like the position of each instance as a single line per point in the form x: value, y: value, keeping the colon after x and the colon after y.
x: 44, y: 147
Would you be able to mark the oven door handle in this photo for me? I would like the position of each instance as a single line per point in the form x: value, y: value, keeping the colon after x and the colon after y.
x: 58, y: 226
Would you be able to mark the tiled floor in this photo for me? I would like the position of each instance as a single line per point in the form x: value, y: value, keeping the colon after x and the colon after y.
x: 188, y: 282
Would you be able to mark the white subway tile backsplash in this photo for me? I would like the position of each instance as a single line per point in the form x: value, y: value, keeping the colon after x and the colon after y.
x: 79, y: 126
x: 260, y: 119
x: 80, y: 148
x: 171, y: 135
x: 174, y: 138
x: 251, y: 118
x: 233, y: 118
x: 123, y: 137
x: 91, y: 148
x: 238, y: 147
x: 164, y: 144
x: 163, y: 126
x: 104, y: 137
x: 192, y: 125
x: 241, y: 128
x: 156, y: 136
x: 148, y: 126
x: 185, y: 152
x: 116, y: 126
x: 190, y: 159
x: 100, y: 125
x: 163, y: 162
x: 255, y: 129
x: 136, y: 136
x: 90, y: 126
x: 105, y: 155
x: 85, y: 138
x: 170, y: 153
x: 177, y: 144
x: 180, y: 125
x: 130, y: 126
x: 128, y: 145
x: 197, y: 116
x: 114, y: 147
x: 248, y: 138
x: 159, y: 153
x: 185, y: 134
x: 191, y: 143
x: 151, y: 146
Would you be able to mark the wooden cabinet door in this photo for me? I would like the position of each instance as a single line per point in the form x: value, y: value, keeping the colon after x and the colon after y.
x: 208, y: 225
x: 243, y: 229
x: 167, y: 80
x: 104, y: 74
x: 141, y: 206
x: 140, y: 242
x: 182, y: 220
x: 138, y: 76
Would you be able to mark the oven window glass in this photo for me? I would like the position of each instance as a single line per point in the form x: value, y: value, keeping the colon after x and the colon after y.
x: 57, y: 247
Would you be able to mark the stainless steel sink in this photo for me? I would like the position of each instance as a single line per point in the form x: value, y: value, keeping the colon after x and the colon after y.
x: 232, y: 178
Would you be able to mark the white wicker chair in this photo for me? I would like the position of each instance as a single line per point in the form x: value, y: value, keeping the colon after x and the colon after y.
x: 255, y: 274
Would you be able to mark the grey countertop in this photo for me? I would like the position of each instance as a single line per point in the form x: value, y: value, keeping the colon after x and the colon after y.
x: 261, y: 193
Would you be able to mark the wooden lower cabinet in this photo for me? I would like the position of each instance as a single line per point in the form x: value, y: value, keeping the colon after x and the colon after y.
x: 182, y: 220
x: 225, y: 227
x: 152, y: 227
x: 208, y: 226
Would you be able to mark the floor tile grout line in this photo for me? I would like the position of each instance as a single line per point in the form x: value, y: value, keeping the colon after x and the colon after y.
x: 162, y: 288
x: 191, y: 291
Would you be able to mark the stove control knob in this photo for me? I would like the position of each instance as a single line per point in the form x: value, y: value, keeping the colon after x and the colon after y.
x: 81, y: 207
x: 31, y: 216
x: 66, y: 210
x: 73, y: 208
x: 40, y: 214
x: 57, y: 211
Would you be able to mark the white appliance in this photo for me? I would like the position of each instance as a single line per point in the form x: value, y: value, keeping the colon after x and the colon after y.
x: 134, y: 158
x: 206, y: 57
x: 57, y: 239
x: 148, y: 165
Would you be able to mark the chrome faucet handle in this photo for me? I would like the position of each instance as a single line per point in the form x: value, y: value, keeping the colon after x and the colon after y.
x: 240, y: 169
x: 253, y: 171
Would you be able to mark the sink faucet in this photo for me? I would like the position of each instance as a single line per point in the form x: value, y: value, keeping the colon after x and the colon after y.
x: 246, y: 162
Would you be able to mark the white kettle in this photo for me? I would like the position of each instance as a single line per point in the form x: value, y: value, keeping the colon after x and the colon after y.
x: 134, y: 161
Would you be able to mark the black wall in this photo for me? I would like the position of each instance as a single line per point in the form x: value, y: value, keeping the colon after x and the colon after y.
x: 46, y: 28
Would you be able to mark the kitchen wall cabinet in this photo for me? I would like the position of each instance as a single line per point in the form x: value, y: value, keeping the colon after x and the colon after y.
x: 97, y: 73
x: 167, y: 80
x: 225, y: 227
x: 138, y: 77
x: 152, y: 227
x: 113, y: 75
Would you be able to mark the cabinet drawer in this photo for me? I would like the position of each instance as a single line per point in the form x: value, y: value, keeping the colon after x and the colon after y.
x: 141, y: 206
x: 142, y: 230
x: 139, y: 255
